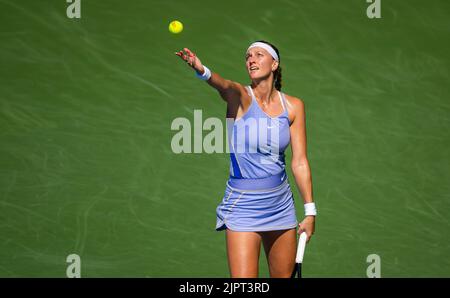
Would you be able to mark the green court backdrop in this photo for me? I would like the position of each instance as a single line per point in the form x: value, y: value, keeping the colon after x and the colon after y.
x: 86, y: 106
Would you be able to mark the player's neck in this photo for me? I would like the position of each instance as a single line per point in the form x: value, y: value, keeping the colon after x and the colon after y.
x: 264, y: 90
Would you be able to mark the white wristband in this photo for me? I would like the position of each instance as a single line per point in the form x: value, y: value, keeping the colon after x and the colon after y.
x: 310, y: 209
x: 206, y: 74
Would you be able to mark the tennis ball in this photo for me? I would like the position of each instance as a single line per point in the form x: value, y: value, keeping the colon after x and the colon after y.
x: 175, y: 27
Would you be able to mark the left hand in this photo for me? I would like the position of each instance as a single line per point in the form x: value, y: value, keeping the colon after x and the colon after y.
x: 191, y: 59
x: 307, y: 225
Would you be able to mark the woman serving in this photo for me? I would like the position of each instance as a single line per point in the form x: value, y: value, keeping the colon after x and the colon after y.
x: 258, y: 205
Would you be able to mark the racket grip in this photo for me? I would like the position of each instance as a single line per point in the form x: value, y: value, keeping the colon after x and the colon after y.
x: 301, y: 248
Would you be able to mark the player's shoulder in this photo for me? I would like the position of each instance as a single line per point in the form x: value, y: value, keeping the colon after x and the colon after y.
x: 294, y: 103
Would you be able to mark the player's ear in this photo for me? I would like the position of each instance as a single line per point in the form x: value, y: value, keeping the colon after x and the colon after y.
x: 274, y: 65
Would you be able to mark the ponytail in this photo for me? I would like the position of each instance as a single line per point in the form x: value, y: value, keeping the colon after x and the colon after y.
x: 277, y: 78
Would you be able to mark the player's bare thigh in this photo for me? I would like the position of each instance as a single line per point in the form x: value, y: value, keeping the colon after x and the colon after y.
x: 280, y: 248
x: 243, y: 249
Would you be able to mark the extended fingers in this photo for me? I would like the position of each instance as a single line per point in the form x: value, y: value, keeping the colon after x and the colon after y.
x: 190, y: 54
x: 186, y: 55
x: 181, y: 55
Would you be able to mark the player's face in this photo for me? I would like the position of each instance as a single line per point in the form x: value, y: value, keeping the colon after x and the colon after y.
x: 260, y: 64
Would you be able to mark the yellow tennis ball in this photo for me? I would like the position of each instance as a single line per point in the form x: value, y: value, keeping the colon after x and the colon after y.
x: 175, y: 27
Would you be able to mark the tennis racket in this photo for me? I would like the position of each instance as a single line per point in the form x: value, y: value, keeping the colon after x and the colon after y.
x: 299, y: 257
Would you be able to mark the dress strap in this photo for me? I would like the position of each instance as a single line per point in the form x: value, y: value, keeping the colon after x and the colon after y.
x: 251, y: 92
x: 283, y: 100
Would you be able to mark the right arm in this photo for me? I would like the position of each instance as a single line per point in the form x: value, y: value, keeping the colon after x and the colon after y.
x: 229, y: 91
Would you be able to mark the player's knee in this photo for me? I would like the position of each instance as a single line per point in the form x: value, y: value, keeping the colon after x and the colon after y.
x: 281, y: 273
x: 281, y: 269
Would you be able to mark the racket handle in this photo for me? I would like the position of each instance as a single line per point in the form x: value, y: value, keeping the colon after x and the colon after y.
x: 301, y: 248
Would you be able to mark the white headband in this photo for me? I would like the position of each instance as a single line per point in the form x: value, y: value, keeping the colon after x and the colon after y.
x: 266, y: 47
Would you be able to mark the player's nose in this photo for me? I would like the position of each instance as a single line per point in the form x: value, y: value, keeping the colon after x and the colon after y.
x: 251, y: 63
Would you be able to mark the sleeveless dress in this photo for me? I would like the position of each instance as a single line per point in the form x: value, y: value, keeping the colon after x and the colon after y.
x: 258, y: 196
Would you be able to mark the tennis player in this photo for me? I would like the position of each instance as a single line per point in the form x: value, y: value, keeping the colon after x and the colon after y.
x: 258, y: 205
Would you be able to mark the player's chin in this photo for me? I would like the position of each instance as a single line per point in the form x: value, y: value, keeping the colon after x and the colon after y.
x: 255, y: 75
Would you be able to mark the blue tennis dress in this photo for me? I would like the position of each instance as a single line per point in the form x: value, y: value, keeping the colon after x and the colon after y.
x: 258, y: 196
